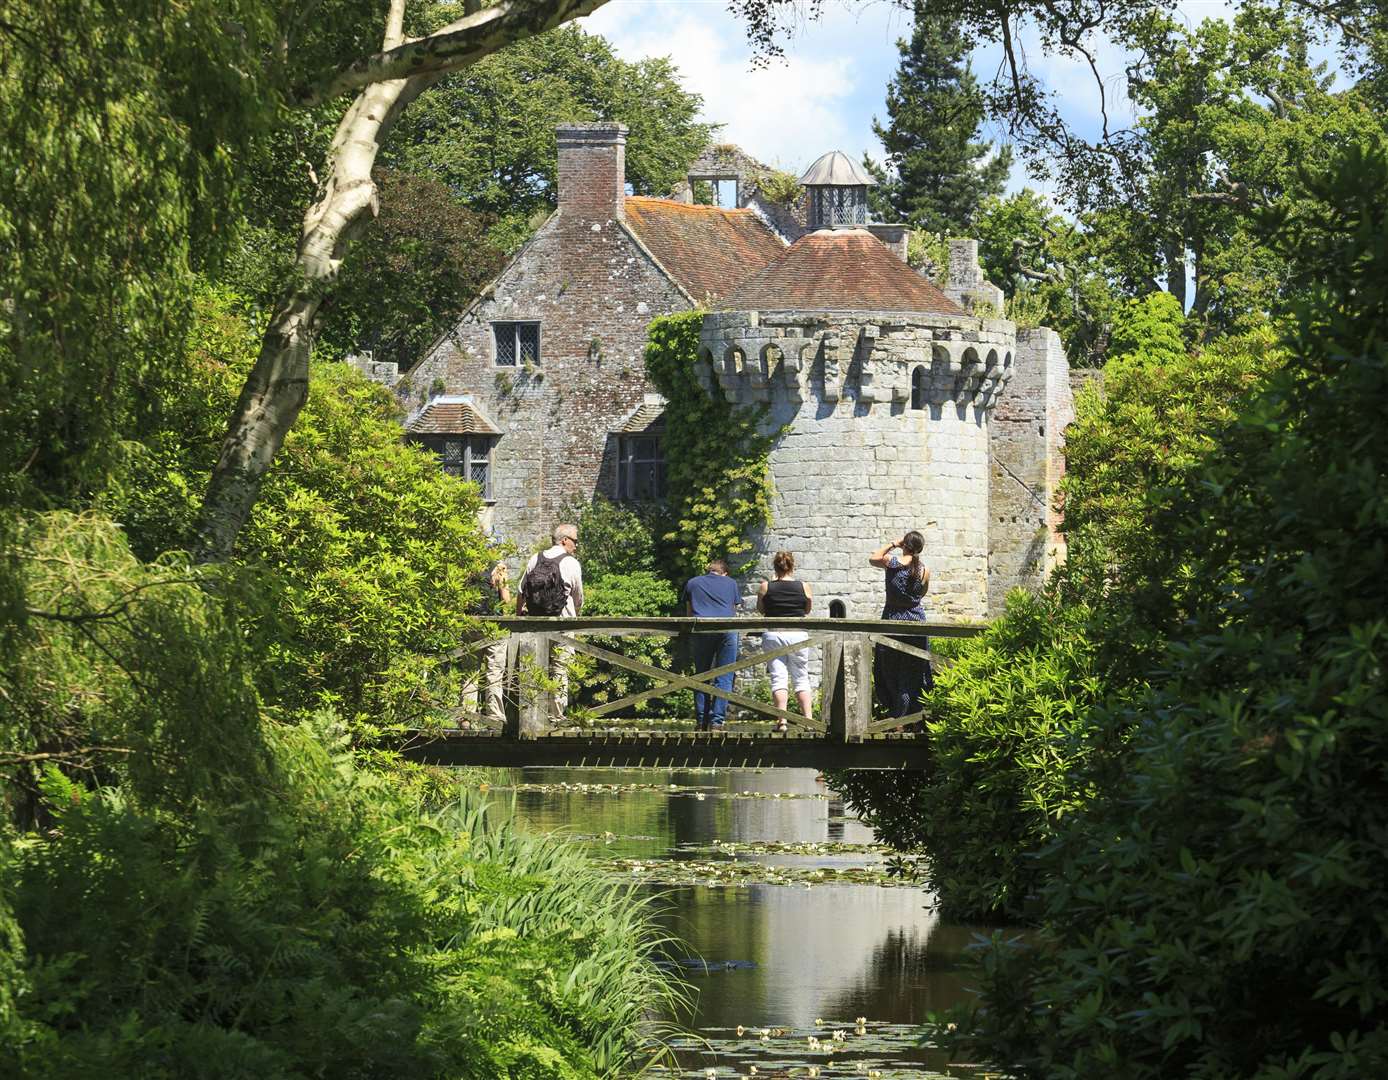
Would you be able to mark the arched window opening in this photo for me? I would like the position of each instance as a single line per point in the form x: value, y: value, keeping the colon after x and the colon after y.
x: 920, y: 386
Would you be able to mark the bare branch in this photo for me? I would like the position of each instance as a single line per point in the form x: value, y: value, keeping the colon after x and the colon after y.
x: 1012, y: 65
x: 456, y: 46
x: 1333, y: 14
x: 62, y: 755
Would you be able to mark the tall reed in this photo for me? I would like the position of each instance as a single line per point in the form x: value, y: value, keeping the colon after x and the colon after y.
x: 606, y: 986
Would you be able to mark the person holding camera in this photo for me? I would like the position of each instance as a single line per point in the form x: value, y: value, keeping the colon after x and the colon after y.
x: 901, y: 680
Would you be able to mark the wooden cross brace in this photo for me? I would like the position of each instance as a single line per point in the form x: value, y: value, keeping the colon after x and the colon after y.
x: 702, y: 682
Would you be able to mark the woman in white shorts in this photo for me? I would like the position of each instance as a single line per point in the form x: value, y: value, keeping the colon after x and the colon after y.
x: 785, y: 597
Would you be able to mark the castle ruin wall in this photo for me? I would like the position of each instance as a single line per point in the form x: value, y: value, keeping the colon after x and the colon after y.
x: 1027, y: 450
x: 883, y: 422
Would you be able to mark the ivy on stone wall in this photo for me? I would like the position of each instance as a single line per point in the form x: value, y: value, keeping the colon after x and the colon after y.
x: 718, y: 459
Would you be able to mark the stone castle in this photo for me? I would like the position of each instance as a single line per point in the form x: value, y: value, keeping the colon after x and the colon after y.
x: 905, y: 405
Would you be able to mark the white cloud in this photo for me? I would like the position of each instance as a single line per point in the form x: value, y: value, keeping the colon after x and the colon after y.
x: 833, y: 81
x: 820, y: 97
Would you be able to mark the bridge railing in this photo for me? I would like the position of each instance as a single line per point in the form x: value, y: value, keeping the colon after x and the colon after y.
x: 844, y: 711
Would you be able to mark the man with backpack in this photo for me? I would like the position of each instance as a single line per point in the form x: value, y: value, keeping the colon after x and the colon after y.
x: 553, y: 585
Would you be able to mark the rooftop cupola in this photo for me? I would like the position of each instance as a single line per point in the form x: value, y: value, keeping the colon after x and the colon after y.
x: 838, y: 191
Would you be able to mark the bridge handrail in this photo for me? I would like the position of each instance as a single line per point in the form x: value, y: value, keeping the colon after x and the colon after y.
x: 847, y: 648
x: 676, y: 624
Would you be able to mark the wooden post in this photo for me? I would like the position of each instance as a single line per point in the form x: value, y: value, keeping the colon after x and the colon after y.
x: 533, y: 704
x: 849, y: 716
x: 831, y: 685
x: 511, y: 687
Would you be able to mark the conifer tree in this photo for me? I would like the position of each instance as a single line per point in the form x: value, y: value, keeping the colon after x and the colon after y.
x: 936, y: 171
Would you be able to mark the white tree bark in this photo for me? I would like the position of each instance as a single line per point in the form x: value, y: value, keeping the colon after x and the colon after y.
x: 277, y: 387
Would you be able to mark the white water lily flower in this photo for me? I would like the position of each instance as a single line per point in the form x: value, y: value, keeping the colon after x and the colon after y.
x: 740, y: 1030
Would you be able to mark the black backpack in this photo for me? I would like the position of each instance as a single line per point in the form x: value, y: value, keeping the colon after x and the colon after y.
x: 544, y: 589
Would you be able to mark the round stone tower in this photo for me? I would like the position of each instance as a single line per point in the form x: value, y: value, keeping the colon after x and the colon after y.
x: 881, y: 388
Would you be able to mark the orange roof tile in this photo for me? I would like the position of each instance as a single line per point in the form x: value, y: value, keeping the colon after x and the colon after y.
x: 451, y: 416
x: 648, y: 416
x: 707, y: 249
x: 838, y: 270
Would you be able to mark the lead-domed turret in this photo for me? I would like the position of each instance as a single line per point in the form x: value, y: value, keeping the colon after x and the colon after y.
x: 838, y: 191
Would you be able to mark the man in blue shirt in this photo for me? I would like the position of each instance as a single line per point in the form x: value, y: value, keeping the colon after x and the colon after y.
x: 713, y: 595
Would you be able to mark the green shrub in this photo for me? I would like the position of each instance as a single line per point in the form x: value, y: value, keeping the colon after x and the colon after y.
x: 618, y: 538
x: 370, y: 551
x: 779, y: 187
x: 1009, y: 732
x: 1015, y: 743
x: 1221, y: 913
x: 620, y: 579
x: 218, y: 894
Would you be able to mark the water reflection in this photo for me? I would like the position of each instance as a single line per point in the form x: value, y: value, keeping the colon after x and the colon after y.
x: 833, y: 951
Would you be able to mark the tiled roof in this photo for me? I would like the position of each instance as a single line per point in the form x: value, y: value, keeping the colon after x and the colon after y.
x: 648, y: 416
x: 707, y: 250
x: 838, y: 270
x: 451, y: 415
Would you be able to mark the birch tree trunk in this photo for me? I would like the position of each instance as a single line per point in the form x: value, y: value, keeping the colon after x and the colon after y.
x: 387, y: 82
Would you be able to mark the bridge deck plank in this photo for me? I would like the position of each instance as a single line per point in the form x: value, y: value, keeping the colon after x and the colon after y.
x: 670, y: 749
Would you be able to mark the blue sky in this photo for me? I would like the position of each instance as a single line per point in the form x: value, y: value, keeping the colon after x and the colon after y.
x: 833, y: 80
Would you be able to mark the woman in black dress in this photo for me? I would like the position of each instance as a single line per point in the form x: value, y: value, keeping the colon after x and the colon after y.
x: 901, y: 680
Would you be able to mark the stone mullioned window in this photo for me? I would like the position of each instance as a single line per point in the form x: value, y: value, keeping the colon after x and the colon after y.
x: 468, y: 457
x: 517, y: 343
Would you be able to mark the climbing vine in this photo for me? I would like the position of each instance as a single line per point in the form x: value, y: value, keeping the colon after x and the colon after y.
x: 718, y: 459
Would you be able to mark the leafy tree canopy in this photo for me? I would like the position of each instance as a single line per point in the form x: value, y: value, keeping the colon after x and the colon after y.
x: 488, y: 132
x: 1218, y: 913
x: 367, y: 553
x: 1229, y: 111
x: 1049, y: 272
x: 421, y: 260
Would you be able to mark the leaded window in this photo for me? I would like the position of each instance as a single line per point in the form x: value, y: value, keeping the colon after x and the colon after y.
x: 838, y: 205
x: 640, y: 468
x: 468, y: 457
x: 517, y: 343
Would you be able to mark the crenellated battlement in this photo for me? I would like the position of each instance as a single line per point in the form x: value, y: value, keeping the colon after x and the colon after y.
x: 870, y: 357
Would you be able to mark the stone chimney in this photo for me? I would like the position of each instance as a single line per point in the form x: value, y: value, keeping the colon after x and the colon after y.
x: 592, y: 171
x: 967, y: 287
x: 893, y: 235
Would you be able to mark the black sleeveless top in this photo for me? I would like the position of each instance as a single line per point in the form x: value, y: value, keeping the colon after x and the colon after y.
x: 785, y: 599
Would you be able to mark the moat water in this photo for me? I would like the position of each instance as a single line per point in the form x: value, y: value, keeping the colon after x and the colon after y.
x: 790, y: 928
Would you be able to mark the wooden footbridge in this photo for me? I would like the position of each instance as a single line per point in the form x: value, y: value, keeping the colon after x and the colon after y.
x: 526, y: 655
